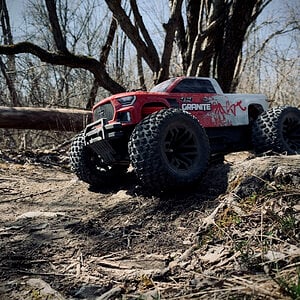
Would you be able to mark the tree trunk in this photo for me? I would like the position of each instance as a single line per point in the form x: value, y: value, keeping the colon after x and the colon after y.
x: 44, y: 118
x: 8, y: 72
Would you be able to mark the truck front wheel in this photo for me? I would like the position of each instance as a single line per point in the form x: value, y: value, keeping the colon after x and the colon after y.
x: 169, y: 149
x: 88, y: 167
x: 278, y: 130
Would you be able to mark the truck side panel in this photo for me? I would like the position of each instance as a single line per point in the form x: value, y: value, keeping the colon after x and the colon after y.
x: 222, y: 110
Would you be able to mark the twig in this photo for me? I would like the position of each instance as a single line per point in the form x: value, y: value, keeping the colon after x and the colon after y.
x: 8, y: 179
x: 163, y: 272
x: 210, y: 220
x: 111, y: 265
x: 251, y: 286
x: 291, y: 266
x: 66, y: 143
x: 26, y: 196
x: 44, y: 274
x: 210, y: 291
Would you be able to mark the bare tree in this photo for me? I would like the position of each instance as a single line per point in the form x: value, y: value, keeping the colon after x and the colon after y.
x: 210, y: 36
x: 143, y: 43
x: 271, y: 62
x: 62, y: 56
x: 210, y: 40
x: 213, y: 39
x: 8, y: 72
x: 63, y: 86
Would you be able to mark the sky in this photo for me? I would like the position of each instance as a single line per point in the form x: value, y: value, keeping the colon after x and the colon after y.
x: 17, y: 8
x: 276, y: 10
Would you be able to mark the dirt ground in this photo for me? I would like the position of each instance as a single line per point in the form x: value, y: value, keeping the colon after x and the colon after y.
x: 61, y: 240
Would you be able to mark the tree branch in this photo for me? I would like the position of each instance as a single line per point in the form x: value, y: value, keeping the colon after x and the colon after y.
x: 103, y: 60
x: 131, y: 31
x: 10, y: 85
x: 193, y: 10
x: 109, y: 40
x: 67, y: 59
x: 59, y: 39
x: 9, y: 73
x: 206, y: 42
x: 141, y: 25
x: 171, y: 28
x: 260, y: 6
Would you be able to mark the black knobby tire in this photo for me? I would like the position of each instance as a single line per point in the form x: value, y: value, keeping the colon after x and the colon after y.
x: 277, y: 130
x: 89, y: 168
x: 169, y: 149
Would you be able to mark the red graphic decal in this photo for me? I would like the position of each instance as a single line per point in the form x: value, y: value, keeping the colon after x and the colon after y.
x: 230, y: 108
x: 221, y: 115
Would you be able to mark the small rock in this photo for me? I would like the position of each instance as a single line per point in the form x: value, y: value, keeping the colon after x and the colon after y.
x: 44, y: 289
x: 37, y: 214
x: 90, y: 292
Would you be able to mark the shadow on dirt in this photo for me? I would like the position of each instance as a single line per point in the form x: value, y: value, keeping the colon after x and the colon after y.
x: 211, y: 185
x: 140, y: 219
x: 126, y: 181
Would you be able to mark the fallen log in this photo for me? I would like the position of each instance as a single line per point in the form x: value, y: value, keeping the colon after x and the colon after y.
x: 44, y: 118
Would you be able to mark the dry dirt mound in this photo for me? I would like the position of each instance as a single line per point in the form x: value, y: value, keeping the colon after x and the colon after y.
x: 234, y: 236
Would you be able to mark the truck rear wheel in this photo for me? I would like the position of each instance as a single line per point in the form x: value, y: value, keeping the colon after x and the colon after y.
x: 169, y: 149
x: 278, y: 130
x: 88, y: 167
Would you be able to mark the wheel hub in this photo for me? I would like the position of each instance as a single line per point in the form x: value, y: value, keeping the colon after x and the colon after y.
x: 180, y: 148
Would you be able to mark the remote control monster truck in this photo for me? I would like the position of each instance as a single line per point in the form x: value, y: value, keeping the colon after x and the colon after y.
x: 169, y: 133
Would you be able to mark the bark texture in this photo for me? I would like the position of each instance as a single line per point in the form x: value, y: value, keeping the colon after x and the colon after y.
x: 268, y: 172
x: 44, y: 118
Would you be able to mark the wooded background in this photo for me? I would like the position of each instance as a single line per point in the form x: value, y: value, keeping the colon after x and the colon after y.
x: 70, y: 54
